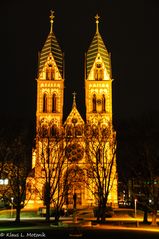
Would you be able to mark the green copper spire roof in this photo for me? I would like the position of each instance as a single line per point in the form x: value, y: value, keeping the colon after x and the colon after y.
x: 51, y: 46
x: 97, y: 46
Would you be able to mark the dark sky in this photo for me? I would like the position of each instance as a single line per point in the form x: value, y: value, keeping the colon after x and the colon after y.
x: 130, y: 30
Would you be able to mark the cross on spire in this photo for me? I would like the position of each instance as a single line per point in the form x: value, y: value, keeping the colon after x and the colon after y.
x: 74, y: 98
x: 51, y: 19
x: 97, y: 21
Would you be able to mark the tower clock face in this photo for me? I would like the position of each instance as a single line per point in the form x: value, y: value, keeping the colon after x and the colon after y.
x: 74, y: 152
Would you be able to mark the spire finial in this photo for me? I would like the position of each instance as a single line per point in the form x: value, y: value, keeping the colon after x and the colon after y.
x: 97, y: 21
x: 74, y: 99
x: 51, y: 19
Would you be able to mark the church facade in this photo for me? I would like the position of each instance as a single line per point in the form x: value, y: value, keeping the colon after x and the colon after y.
x: 65, y: 152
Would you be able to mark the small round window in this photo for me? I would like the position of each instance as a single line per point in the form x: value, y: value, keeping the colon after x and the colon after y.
x: 99, y: 65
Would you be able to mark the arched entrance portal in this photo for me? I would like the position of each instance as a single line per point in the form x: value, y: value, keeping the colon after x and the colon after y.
x: 75, y: 185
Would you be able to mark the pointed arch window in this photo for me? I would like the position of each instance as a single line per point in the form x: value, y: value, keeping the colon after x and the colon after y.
x: 54, y: 98
x: 69, y: 131
x: 98, y: 74
x: 54, y: 131
x: 50, y: 73
x: 94, y: 102
x: 45, y: 103
x: 101, y: 74
x: 44, y: 131
x: 103, y: 103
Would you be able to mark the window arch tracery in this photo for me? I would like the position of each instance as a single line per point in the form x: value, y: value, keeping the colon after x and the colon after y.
x: 54, y: 98
x: 50, y: 72
x: 94, y: 102
x: 44, y: 102
x: 103, y: 103
x: 44, y: 131
x: 99, y: 73
x: 53, y: 130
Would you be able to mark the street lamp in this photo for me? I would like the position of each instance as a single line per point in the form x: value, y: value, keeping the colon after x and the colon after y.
x: 12, y: 198
x: 135, y: 206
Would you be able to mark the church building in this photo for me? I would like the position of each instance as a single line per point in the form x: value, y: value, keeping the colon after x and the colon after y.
x: 70, y: 157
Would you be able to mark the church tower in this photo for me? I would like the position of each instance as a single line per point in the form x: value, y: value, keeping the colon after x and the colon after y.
x: 98, y: 79
x: 50, y: 83
x: 49, y: 113
x: 50, y: 88
x: 98, y: 100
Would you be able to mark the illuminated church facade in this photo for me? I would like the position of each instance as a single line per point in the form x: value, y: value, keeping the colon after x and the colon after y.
x: 65, y: 141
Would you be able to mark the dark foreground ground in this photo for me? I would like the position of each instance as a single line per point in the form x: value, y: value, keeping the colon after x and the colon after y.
x: 41, y: 230
x: 83, y: 233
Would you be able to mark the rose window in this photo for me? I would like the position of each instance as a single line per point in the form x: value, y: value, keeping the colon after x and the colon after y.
x: 74, y: 152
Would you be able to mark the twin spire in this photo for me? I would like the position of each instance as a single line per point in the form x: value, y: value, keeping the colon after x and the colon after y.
x: 97, y: 46
x: 52, y: 20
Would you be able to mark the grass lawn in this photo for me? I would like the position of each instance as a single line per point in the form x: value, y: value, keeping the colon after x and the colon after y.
x: 25, y: 213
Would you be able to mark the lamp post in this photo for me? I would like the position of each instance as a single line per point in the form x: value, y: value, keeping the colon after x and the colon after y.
x: 135, y: 206
x: 12, y: 206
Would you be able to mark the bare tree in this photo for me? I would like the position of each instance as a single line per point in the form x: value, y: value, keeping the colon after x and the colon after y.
x: 141, y: 154
x: 51, y: 169
x: 101, y: 162
x: 4, y: 153
x: 16, y: 170
x: 147, y: 171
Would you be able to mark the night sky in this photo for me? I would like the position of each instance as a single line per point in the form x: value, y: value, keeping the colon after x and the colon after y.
x: 130, y: 30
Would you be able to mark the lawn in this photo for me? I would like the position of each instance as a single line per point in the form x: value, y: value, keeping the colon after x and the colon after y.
x: 25, y: 213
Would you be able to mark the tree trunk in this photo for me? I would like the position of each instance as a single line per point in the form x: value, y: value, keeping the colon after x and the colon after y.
x: 145, y: 216
x: 57, y: 216
x: 56, y: 219
x: 48, y: 212
x: 47, y: 201
x: 98, y: 216
x: 98, y: 212
x: 18, y: 209
x: 103, y: 210
x: 154, y: 218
